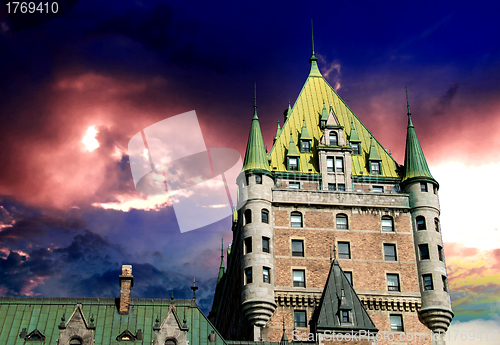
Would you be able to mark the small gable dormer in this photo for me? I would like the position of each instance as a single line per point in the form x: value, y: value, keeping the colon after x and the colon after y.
x: 77, y: 329
x: 305, y: 139
x: 171, y: 330
x: 126, y: 335
x: 34, y: 335
x: 292, y: 156
x: 354, y: 141
x: 374, y: 160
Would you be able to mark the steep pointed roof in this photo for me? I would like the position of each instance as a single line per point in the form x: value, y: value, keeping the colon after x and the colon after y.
x: 222, y: 270
x: 415, y: 167
x: 314, y: 72
x: 309, y: 107
x: 353, y: 137
x: 304, y: 134
x: 324, y: 113
x: 373, y: 156
x: 339, y: 295
x: 278, y: 130
x: 256, y: 155
x: 292, y: 149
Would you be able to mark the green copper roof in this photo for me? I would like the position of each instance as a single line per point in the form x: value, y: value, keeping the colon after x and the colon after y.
x: 256, y: 155
x: 304, y: 134
x: 339, y: 295
x: 292, y: 149
x: 44, y: 314
x: 353, y: 137
x: 415, y: 167
x: 314, y: 72
x: 278, y: 130
x: 374, y: 156
x: 324, y: 113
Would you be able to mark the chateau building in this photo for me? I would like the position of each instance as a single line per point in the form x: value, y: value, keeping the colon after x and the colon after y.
x: 331, y: 233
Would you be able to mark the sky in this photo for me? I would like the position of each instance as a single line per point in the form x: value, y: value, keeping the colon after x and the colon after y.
x: 76, y: 89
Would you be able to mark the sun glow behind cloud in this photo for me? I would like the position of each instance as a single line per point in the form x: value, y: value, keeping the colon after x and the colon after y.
x: 89, y: 139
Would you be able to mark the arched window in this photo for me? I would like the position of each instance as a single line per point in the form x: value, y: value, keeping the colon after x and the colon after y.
x: 248, y: 216
x: 387, y: 223
x: 75, y: 341
x: 341, y: 221
x: 170, y: 342
x: 333, y: 139
x: 265, y: 216
x: 436, y: 224
x: 421, y: 223
x: 296, y: 219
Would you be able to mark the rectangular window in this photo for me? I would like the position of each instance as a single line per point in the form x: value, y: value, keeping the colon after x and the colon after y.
x: 293, y: 163
x: 393, y: 282
x: 299, y: 278
x: 387, y: 224
x: 445, y: 283
x: 355, y: 148
x: 344, y: 250
x: 299, y: 317
x: 428, y: 285
x: 329, y: 164
x: 339, y: 163
x: 297, y: 248
x: 421, y: 223
x: 306, y: 146
x: 341, y: 187
x: 258, y: 179
x: 390, y: 252
x: 331, y: 186
x: 348, y: 275
x: 265, y: 216
x: 435, y: 189
x: 248, y: 275
x: 377, y: 189
x: 440, y: 253
x: 296, y: 220
x: 248, y: 245
x: 266, y: 275
x: 265, y: 244
x: 424, y: 251
x: 333, y: 139
x: 423, y: 186
x: 375, y: 168
x: 294, y: 185
x: 345, y: 316
x: 396, y: 323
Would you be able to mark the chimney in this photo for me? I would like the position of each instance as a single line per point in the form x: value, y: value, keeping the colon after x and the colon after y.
x: 126, y: 283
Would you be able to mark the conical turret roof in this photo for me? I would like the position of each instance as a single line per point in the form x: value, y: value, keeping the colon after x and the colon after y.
x: 256, y: 155
x: 304, y: 134
x: 415, y: 167
x: 292, y: 149
x: 374, y: 156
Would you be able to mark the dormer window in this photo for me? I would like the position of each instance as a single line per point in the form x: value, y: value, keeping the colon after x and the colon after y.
x: 305, y: 146
x: 333, y: 139
x: 355, y: 148
x: 345, y: 316
x: 375, y: 168
x: 293, y: 163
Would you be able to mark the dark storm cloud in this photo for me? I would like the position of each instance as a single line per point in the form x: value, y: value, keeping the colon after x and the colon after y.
x: 36, y: 226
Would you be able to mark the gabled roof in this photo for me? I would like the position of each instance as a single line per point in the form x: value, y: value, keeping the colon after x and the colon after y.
x: 373, y: 156
x: 338, y: 295
x: 309, y: 107
x: 256, y: 155
x: 44, y: 314
x: 415, y: 167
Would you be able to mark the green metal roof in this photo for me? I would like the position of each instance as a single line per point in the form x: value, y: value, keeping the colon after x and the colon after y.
x: 353, y: 137
x: 278, y: 130
x: 415, y: 167
x: 45, y: 315
x: 256, y: 155
x: 338, y: 295
x: 324, y: 113
x: 373, y: 156
x: 304, y: 134
x: 292, y: 149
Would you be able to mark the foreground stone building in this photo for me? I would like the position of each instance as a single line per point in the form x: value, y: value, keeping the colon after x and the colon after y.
x: 328, y: 221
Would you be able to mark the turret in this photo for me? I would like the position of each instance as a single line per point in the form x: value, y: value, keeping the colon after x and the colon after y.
x: 417, y: 181
x: 257, y: 235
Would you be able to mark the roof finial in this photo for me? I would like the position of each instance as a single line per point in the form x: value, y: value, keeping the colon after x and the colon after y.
x: 255, y: 102
x: 312, y: 37
x: 334, y: 251
x: 194, y: 288
x: 407, y: 102
x: 222, y: 249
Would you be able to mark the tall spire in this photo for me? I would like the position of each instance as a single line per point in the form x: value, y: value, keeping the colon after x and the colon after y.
x: 256, y: 155
x: 222, y: 271
x: 284, y: 339
x: 313, y: 60
x: 255, y: 102
x: 415, y: 167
